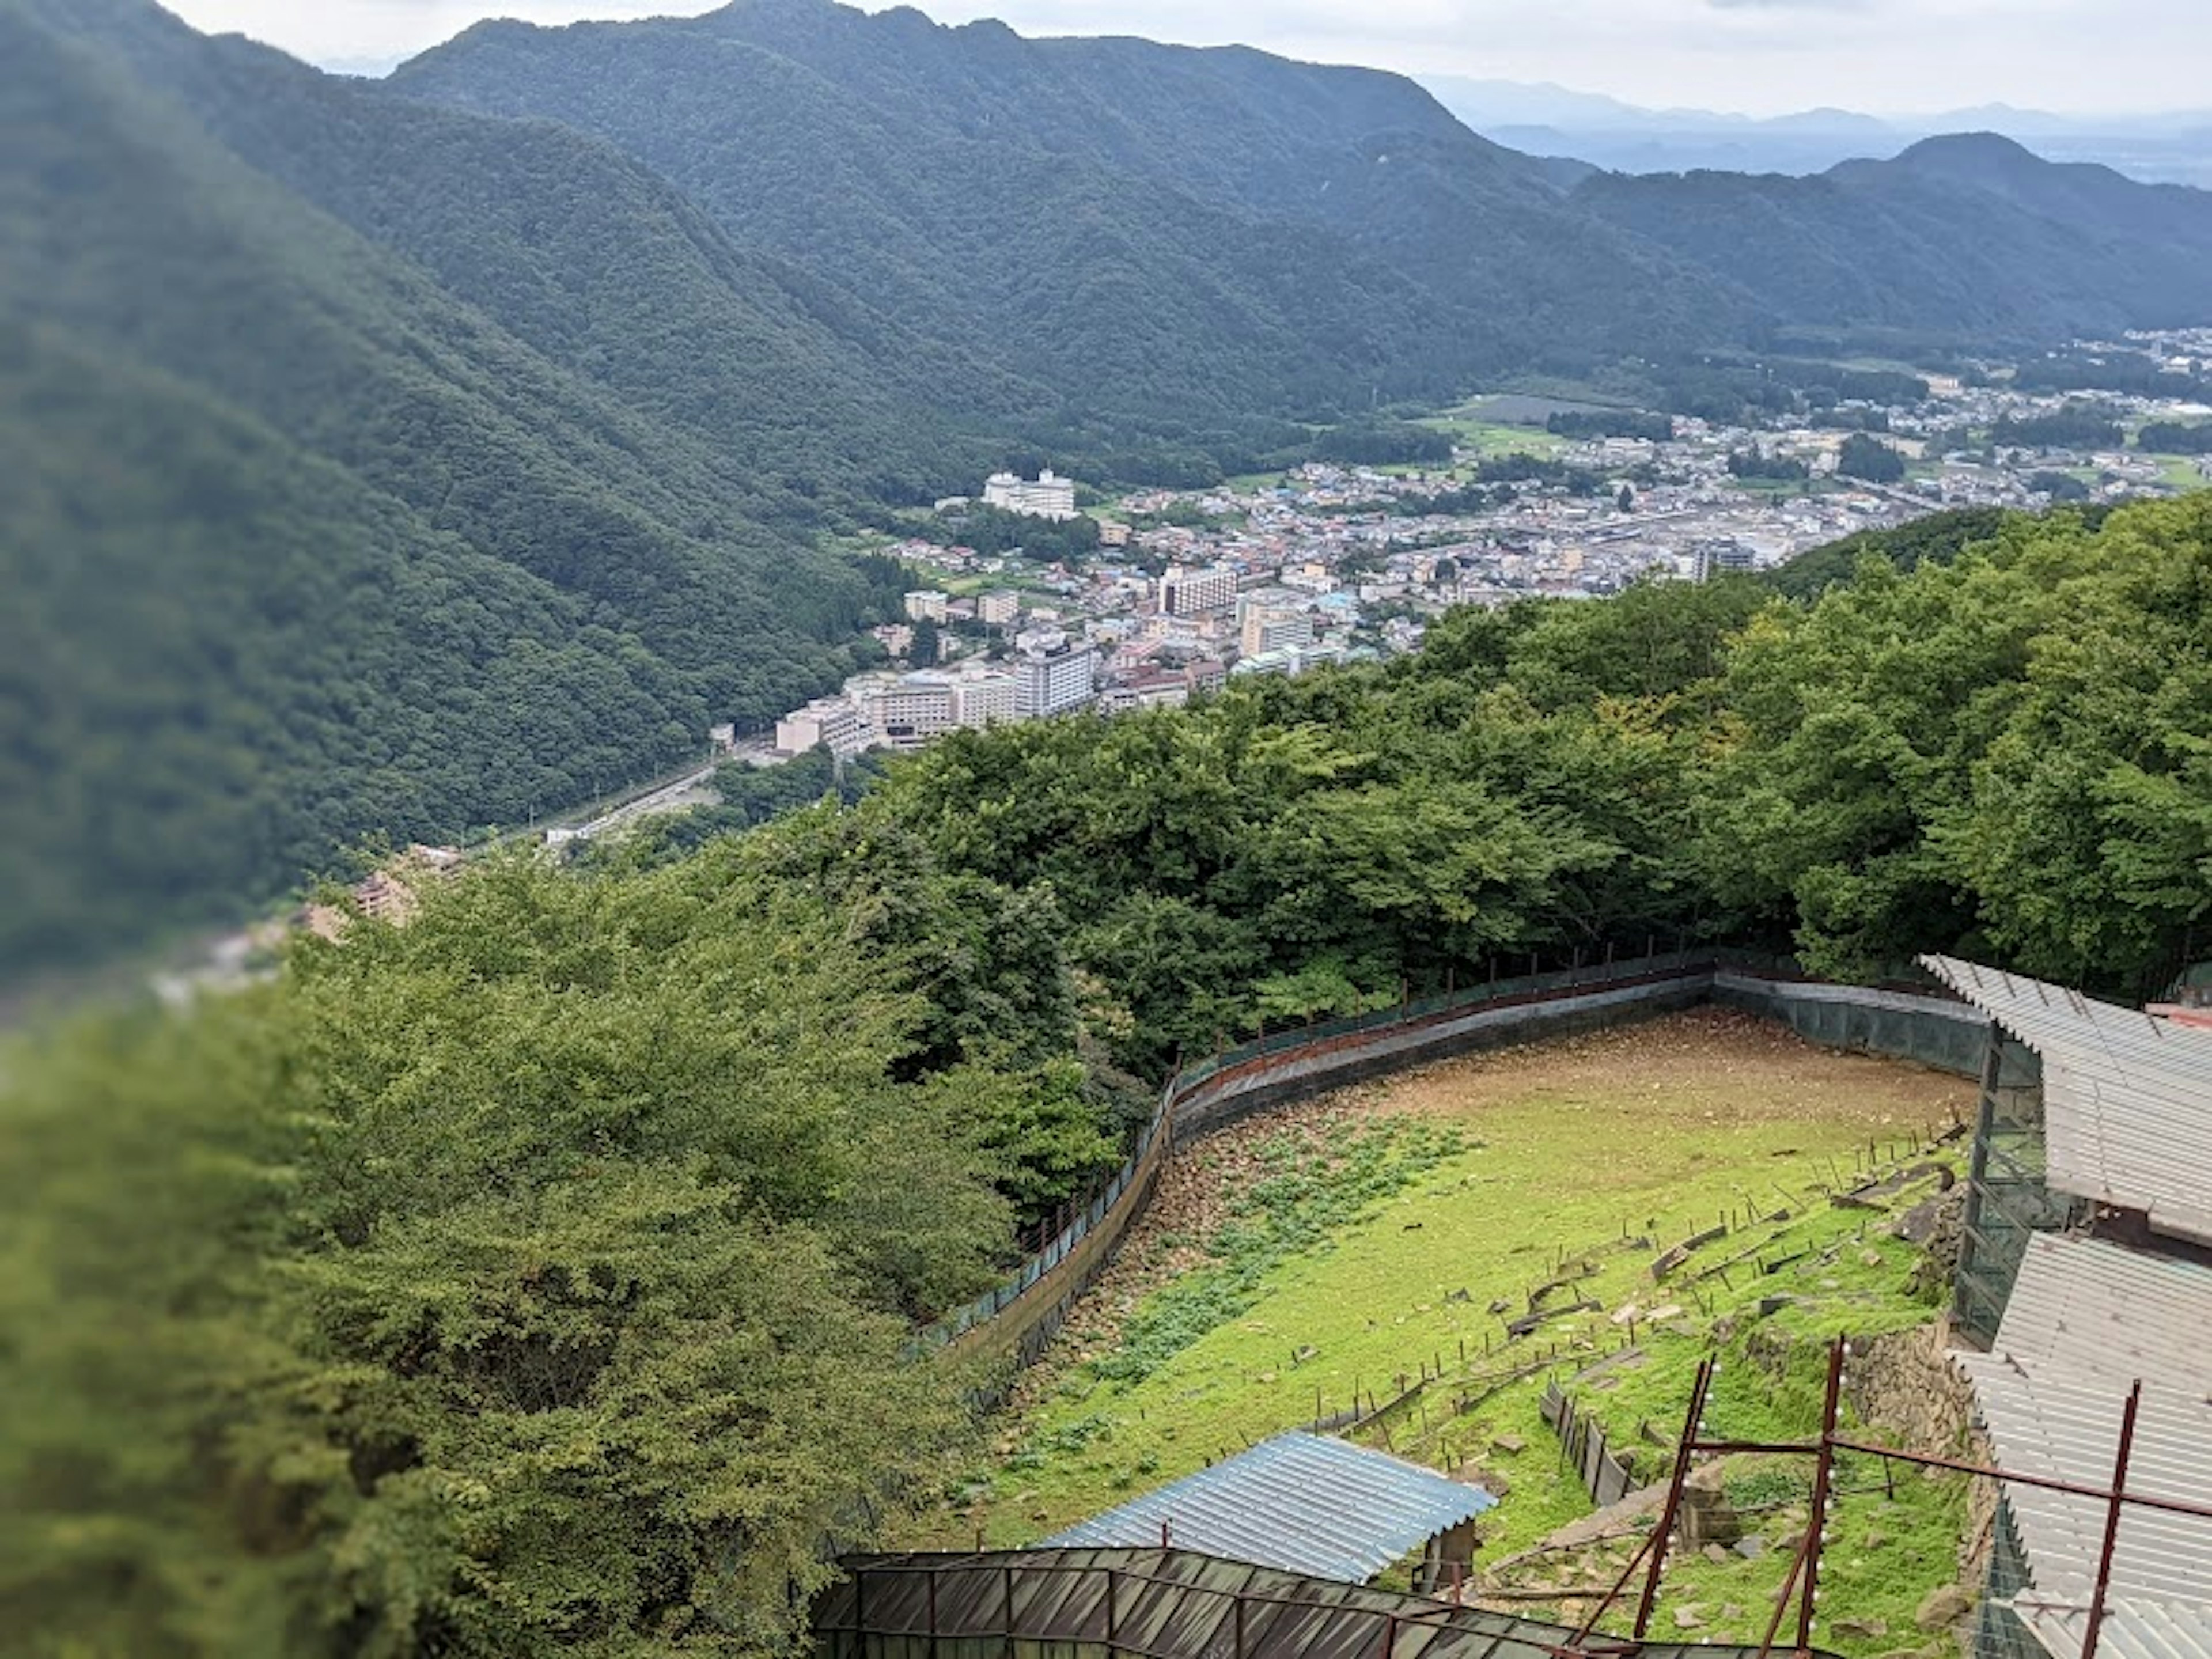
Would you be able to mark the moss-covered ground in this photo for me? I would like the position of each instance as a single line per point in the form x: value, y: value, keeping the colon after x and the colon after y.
x: 1352, y: 1248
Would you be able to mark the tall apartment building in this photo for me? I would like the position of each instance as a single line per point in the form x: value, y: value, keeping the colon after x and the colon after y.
x: 908, y: 710
x: 1048, y: 496
x: 1269, y: 628
x: 999, y: 608
x: 981, y: 700
x: 1055, y: 679
x: 1187, y: 592
x: 835, y: 723
x: 1724, y: 554
x: 927, y: 605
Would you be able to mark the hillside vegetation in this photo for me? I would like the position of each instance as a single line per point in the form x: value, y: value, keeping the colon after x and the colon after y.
x: 302, y: 546
x: 532, y: 1278
x: 2005, y: 753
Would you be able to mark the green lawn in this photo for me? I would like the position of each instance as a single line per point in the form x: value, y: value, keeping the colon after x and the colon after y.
x: 1489, y: 438
x: 2181, y: 472
x: 1351, y: 1244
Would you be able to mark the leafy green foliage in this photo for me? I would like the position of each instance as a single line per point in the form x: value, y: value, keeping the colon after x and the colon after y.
x: 533, y: 1278
x: 1868, y: 457
x: 2176, y: 437
x: 1756, y: 464
x: 1938, y: 538
x: 1610, y: 423
x: 1923, y: 759
x: 2077, y: 426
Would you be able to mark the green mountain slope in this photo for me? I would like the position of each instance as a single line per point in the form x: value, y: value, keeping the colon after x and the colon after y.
x: 400, y: 571
x: 1146, y: 228
x: 1970, y: 237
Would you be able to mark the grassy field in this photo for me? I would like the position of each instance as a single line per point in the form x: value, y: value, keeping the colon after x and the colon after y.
x: 1356, y: 1245
x: 1492, y: 438
x: 2181, y: 472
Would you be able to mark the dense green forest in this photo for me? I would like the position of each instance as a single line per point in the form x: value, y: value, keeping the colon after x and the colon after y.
x: 301, y: 547
x: 1961, y: 237
x: 2177, y: 437
x: 535, y: 1278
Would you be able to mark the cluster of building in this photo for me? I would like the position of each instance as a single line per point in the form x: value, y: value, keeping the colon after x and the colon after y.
x: 1334, y: 564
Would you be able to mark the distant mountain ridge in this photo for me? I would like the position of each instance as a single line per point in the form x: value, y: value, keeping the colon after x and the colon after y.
x: 1969, y: 234
x: 2171, y: 148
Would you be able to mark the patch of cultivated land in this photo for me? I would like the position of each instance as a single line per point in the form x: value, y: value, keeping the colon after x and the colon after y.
x: 1386, y: 1236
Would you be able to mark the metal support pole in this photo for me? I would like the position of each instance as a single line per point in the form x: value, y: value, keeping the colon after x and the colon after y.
x: 1782, y: 1595
x: 1823, y: 1473
x: 1666, y: 1528
x: 2112, y: 1521
x: 1581, y: 1635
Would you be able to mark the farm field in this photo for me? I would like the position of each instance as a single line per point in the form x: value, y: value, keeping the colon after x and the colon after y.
x: 1356, y: 1245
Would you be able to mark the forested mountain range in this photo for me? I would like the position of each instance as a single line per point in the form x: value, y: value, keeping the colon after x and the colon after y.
x: 404, y: 457
x: 1971, y: 236
x: 303, y: 545
x: 945, y: 166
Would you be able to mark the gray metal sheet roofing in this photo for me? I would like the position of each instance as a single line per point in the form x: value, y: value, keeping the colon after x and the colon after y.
x: 2099, y: 1311
x: 1298, y: 1502
x: 2085, y: 1320
x: 1174, y: 1604
x: 2127, y: 1097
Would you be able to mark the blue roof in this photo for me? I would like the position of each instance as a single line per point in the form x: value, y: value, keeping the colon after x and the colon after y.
x: 1299, y: 1503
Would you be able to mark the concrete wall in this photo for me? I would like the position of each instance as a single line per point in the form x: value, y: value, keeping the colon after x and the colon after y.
x: 1277, y: 1079
x: 1930, y: 1031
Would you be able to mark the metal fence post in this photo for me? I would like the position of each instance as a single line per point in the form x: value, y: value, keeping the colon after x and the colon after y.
x: 1823, y: 1474
x: 2112, y: 1521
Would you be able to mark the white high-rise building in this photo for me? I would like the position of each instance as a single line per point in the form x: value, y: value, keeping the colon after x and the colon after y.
x: 1267, y: 628
x: 999, y: 608
x: 981, y: 700
x: 832, y: 722
x: 906, y: 710
x: 1051, y: 682
x: 926, y: 604
x: 1049, y: 496
x: 1187, y: 592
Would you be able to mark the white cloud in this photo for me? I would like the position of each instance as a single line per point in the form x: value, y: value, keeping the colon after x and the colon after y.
x: 1760, y: 55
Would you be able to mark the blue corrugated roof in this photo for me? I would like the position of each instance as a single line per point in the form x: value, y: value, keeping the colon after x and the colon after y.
x: 1300, y: 1503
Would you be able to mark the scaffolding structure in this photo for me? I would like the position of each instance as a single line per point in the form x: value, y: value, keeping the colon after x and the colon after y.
x: 2005, y: 1633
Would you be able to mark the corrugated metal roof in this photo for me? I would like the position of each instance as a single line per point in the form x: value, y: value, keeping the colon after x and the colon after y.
x: 2102, y: 1311
x: 2127, y: 1098
x: 1299, y: 1502
x: 2086, y: 1320
x: 1176, y: 1604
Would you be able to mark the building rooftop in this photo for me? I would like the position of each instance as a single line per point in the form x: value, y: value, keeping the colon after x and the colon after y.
x: 1172, y: 1604
x: 2127, y: 1096
x: 1299, y: 1502
x: 2085, y: 1320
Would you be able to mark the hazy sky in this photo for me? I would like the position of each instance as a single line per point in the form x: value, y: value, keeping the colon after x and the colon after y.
x: 1763, y: 57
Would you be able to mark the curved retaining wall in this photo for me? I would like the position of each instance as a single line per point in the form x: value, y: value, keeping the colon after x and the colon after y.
x: 1020, y: 1318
